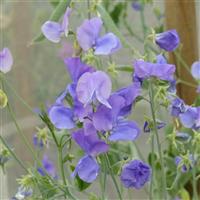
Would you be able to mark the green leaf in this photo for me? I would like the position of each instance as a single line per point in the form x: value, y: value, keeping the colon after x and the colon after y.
x: 55, y: 16
x: 54, y: 2
x: 80, y: 184
x: 116, y: 12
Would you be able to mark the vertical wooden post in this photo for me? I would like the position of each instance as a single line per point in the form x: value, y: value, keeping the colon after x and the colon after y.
x: 181, y: 15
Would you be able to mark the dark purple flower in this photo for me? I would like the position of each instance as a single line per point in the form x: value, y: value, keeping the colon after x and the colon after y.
x: 94, y: 86
x: 144, y: 70
x: 196, y: 70
x: 54, y: 30
x: 191, y: 117
x: 48, y: 166
x: 177, y: 107
x: 168, y: 40
x: 136, y: 5
x: 185, y: 167
x: 6, y: 60
x: 88, y: 37
x: 135, y: 174
x: 87, y: 138
x: 147, y: 127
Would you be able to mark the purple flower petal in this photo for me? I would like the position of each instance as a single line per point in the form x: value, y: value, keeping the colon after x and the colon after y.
x: 196, y: 70
x: 161, y: 59
x: 107, y: 44
x: 76, y: 68
x: 144, y: 70
x: 87, y: 169
x: 136, y: 5
x: 61, y: 117
x: 177, y: 107
x: 124, y: 131
x: 135, y: 174
x: 65, y: 22
x: 88, y: 33
x: 52, y: 31
x: 168, y: 40
x: 6, y: 60
x: 94, y: 85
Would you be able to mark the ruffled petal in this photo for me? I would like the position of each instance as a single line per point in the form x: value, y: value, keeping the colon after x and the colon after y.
x: 61, y: 117
x: 107, y: 44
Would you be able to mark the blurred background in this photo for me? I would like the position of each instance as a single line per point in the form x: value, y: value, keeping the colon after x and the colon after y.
x: 39, y: 74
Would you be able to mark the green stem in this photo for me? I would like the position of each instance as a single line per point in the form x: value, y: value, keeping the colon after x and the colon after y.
x: 163, y: 178
x: 13, y: 154
x: 113, y: 177
x: 88, y: 6
x: 186, y: 83
x: 194, y: 181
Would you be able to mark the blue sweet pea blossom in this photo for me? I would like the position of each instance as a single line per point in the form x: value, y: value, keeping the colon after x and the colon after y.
x: 179, y: 161
x: 136, y: 5
x: 6, y: 60
x: 88, y: 168
x: 196, y: 70
x: 191, y: 117
x: 144, y: 70
x: 94, y: 86
x: 168, y: 40
x: 177, y: 107
x: 54, y: 30
x: 48, y: 166
x: 88, y: 37
x: 22, y: 193
x: 135, y: 174
x: 113, y: 120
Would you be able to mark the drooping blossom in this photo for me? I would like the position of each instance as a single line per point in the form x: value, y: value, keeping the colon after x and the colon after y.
x: 177, y: 107
x: 148, y: 127
x: 94, y: 86
x: 48, y: 167
x: 196, y: 70
x: 87, y: 168
x: 54, y: 30
x: 168, y: 40
x: 113, y: 120
x: 136, y: 5
x: 145, y: 70
x: 191, y: 117
x: 186, y: 164
x: 6, y: 60
x: 135, y: 174
x: 88, y: 36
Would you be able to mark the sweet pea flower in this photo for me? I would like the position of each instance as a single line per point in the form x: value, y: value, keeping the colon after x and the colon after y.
x: 54, y: 30
x: 135, y: 174
x: 177, y: 107
x: 6, y: 60
x: 196, y: 70
x: 49, y: 167
x: 88, y: 37
x: 94, y: 86
x: 185, y: 167
x: 168, y: 40
x: 191, y: 117
x: 62, y: 116
x: 148, y: 127
x: 113, y: 120
x: 87, y: 168
x: 136, y: 5
x: 145, y: 70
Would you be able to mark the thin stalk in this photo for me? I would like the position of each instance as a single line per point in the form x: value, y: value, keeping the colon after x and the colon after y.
x: 88, y: 6
x: 16, y: 94
x: 186, y: 83
x: 164, y: 185
x: 113, y: 177
x: 104, y: 180
x: 13, y: 154
x: 194, y: 181
x: 20, y: 132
